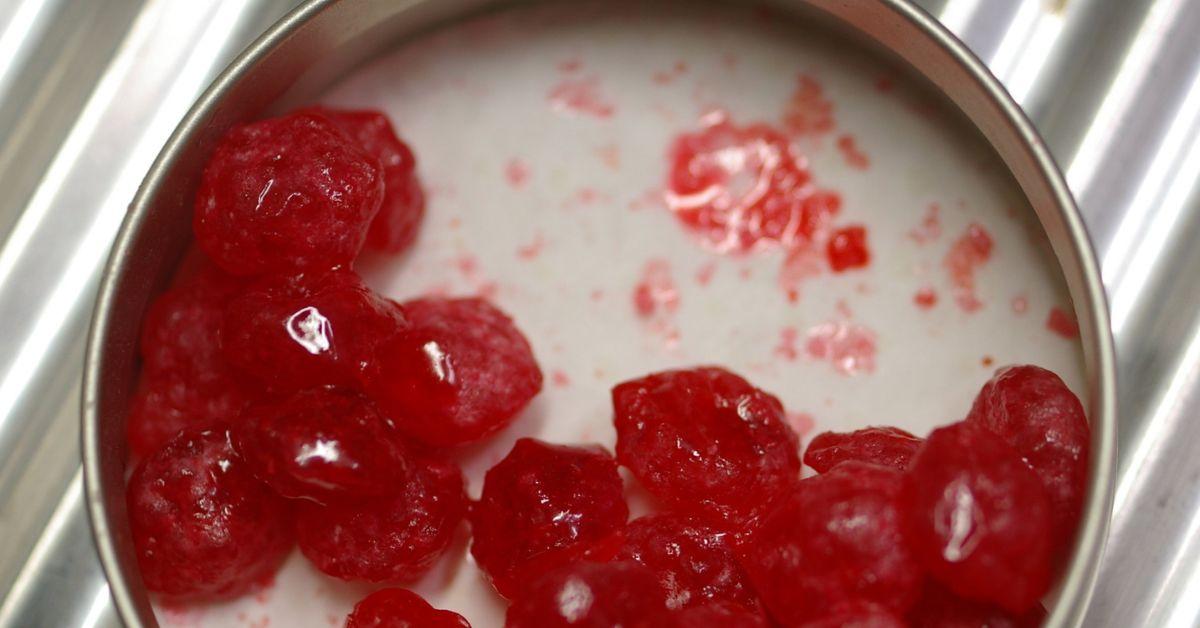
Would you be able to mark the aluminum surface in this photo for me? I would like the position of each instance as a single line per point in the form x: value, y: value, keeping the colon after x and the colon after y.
x: 1111, y: 85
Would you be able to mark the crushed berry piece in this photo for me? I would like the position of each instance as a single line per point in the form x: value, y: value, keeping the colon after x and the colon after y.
x: 886, y: 446
x: 836, y: 538
x: 711, y: 614
x: 704, y: 440
x: 203, y: 527
x: 394, y: 539
x: 857, y: 615
x: 462, y: 372
x: 978, y: 518
x: 694, y: 562
x: 323, y: 444
x: 939, y: 608
x: 395, y: 227
x: 401, y: 608
x: 307, y: 330
x: 847, y: 248
x: 1034, y: 411
x: 588, y: 595
x: 286, y: 194
x: 543, y: 506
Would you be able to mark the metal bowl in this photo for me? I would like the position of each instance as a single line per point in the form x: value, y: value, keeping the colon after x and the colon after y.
x: 320, y: 40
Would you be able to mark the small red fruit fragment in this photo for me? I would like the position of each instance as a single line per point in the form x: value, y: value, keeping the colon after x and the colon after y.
x: 588, y: 595
x: 705, y: 441
x: 401, y: 608
x: 323, y: 444
x: 307, y: 330
x: 847, y: 248
x: 694, y: 562
x: 286, y: 194
x: 836, y: 538
x: 711, y: 614
x: 395, y: 227
x: 393, y: 539
x: 202, y: 525
x: 1034, y: 411
x: 939, y: 608
x: 978, y: 518
x: 543, y: 506
x: 886, y: 446
x: 858, y: 615
x: 462, y: 372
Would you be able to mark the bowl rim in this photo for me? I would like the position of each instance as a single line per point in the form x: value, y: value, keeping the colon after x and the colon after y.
x: 1077, y: 582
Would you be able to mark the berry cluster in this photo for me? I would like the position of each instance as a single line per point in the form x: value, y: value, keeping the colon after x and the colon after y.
x: 285, y: 403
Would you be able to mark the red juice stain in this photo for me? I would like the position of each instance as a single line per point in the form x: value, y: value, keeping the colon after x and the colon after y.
x: 925, y: 298
x: 1020, y: 304
x: 487, y: 290
x: 666, y: 77
x: 705, y: 273
x: 970, y: 251
x: 596, y: 294
x: 1062, y: 323
x: 560, y: 378
x: 808, y: 111
x: 533, y: 249
x: 801, y: 423
x: 516, y: 173
x: 850, y: 348
x: 745, y: 273
x: 884, y: 84
x: 580, y: 97
x: 847, y: 248
x: 610, y: 156
x: 454, y: 223
x: 930, y: 228
x: 843, y: 309
x: 786, y: 348
x: 468, y: 265
x: 570, y: 65
x: 655, y: 293
x: 987, y: 361
x: 853, y: 155
x: 801, y: 264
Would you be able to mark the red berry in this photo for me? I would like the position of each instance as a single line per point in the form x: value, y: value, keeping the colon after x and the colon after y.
x: 307, y: 330
x: 711, y: 614
x: 394, y: 228
x: 202, y: 525
x: 693, y: 561
x: 857, y: 615
x: 166, y: 405
x: 978, y: 518
x: 1042, y: 419
x: 885, y: 446
x: 286, y: 194
x: 323, y: 444
x: 401, y: 608
x: 704, y: 440
x: 461, y: 372
x: 837, y: 538
x: 939, y: 608
x: 392, y: 539
x: 543, y: 506
x: 847, y: 248
x: 588, y: 595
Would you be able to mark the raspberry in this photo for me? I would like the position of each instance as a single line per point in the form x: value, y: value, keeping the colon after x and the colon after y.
x: 694, y: 562
x: 939, y: 608
x: 835, y: 539
x: 307, y: 330
x: 857, y: 615
x: 588, y: 595
x: 462, y: 372
x: 401, y: 608
x: 202, y: 525
x: 712, y: 614
x: 1042, y: 419
x: 394, y: 539
x: 543, y: 506
x: 847, y: 248
x: 166, y: 405
x: 886, y: 446
x: 325, y: 445
x: 286, y: 194
x: 978, y: 518
x: 704, y: 440
x: 394, y: 228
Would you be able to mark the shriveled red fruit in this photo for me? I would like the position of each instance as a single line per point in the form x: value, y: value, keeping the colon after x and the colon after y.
x: 286, y: 194
x: 461, y: 372
x: 324, y: 444
x: 705, y: 441
x: 588, y: 595
x: 202, y: 525
x: 543, y: 506
x: 1042, y: 419
x: 837, y: 538
x: 401, y: 608
x: 392, y: 539
x: 165, y: 405
x: 978, y: 518
x: 939, y: 608
x: 694, y: 562
x: 857, y: 615
x: 395, y: 227
x: 712, y: 614
x: 886, y: 446
x: 300, y: 331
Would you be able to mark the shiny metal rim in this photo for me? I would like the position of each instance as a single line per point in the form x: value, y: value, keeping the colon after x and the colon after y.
x: 1077, y: 583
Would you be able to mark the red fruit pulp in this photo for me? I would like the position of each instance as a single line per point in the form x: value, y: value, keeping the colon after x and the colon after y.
x: 886, y: 446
